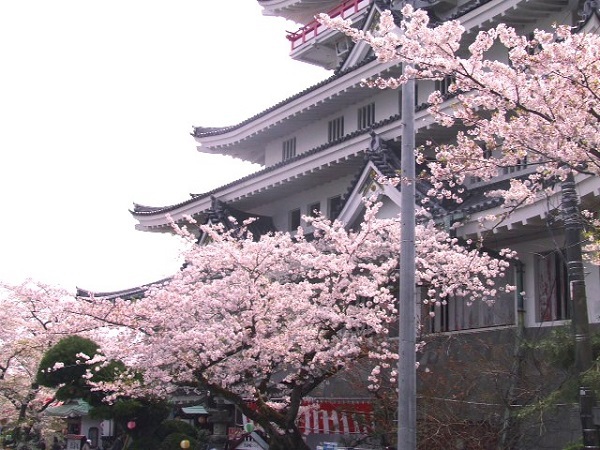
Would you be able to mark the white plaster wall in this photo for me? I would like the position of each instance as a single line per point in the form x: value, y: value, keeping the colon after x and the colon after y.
x: 388, y: 209
x: 87, y: 423
x: 592, y: 287
x: 387, y: 101
x: 315, y: 134
x: 527, y: 252
x: 273, y: 153
x: 280, y: 210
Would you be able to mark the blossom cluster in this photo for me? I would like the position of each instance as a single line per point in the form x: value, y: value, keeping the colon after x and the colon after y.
x: 267, y: 319
x: 536, y: 107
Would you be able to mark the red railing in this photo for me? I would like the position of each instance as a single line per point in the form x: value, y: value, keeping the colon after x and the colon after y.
x: 311, y: 30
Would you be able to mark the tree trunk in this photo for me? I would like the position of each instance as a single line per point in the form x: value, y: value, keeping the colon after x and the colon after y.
x: 288, y: 441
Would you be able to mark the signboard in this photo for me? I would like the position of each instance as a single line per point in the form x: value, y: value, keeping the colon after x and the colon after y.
x: 249, y: 445
x: 252, y: 442
x: 73, y: 442
x: 328, y: 446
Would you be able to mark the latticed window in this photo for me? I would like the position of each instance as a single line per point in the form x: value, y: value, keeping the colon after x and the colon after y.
x: 456, y: 313
x: 520, y: 165
x: 289, y: 149
x: 295, y: 216
x: 335, y: 129
x: 366, y: 116
x: 333, y: 206
x: 314, y: 209
x: 552, y: 287
x: 444, y: 84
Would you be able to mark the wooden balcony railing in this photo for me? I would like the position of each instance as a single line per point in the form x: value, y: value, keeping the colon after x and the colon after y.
x: 311, y: 30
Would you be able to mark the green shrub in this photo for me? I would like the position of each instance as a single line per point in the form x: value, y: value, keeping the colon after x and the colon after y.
x: 145, y: 443
x: 173, y: 442
x: 168, y: 427
x: 574, y: 446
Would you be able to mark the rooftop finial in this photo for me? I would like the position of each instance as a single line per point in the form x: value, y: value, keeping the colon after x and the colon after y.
x: 376, y: 144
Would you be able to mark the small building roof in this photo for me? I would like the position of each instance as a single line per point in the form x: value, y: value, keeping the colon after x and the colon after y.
x: 72, y: 408
x: 196, y: 409
x: 133, y: 293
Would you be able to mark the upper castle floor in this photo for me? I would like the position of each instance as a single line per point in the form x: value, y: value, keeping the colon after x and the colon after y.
x: 315, y: 44
x: 332, y: 115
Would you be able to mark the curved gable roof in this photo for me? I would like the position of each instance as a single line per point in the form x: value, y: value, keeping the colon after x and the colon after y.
x: 495, y: 7
x: 141, y: 211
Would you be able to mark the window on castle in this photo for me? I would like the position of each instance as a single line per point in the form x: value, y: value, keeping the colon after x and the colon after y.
x: 333, y: 206
x: 366, y: 116
x: 335, y: 129
x: 552, y: 287
x: 520, y: 165
x: 314, y: 209
x: 289, y: 149
x: 460, y: 313
x: 416, y: 94
x: 444, y: 84
x: 294, y: 219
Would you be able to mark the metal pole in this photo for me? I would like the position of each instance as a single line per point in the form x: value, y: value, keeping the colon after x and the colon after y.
x: 579, y: 313
x: 407, y: 374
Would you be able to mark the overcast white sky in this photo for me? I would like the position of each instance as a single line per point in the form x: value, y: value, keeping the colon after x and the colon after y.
x: 97, y: 100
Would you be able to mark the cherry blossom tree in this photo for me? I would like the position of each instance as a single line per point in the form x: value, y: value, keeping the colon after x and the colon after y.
x: 536, y: 106
x: 262, y: 321
x: 27, y: 313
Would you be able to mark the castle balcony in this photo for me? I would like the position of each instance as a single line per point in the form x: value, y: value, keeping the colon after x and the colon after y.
x: 298, y: 11
x: 316, y: 44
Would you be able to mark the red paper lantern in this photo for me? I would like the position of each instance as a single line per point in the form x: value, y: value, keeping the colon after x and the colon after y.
x: 131, y: 424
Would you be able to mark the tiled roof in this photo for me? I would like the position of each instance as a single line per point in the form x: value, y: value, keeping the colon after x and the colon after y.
x: 196, y: 409
x: 387, y: 161
x: 590, y: 8
x: 72, y: 408
x: 144, y: 210
x: 476, y: 200
x: 218, y: 213
x: 149, y: 210
x: 125, y: 294
x: 586, y: 12
x: 223, y: 213
x: 212, y: 131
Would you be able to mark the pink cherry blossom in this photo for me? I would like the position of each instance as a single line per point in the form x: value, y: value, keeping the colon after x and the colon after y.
x: 265, y: 321
x: 261, y: 321
x: 539, y: 107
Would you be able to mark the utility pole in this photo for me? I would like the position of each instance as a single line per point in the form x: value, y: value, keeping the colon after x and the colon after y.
x: 579, y: 314
x: 407, y: 373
